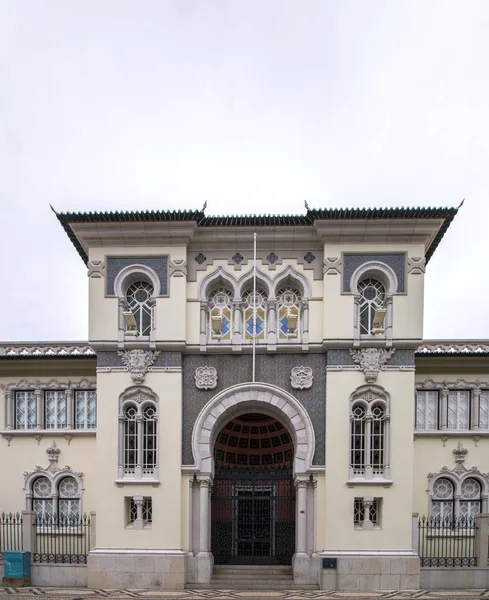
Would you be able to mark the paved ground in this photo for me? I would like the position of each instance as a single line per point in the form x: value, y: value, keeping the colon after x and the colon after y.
x: 85, y: 594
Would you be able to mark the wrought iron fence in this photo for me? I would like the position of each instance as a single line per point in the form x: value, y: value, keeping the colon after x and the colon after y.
x: 64, y: 540
x: 10, y: 532
x: 447, y: 542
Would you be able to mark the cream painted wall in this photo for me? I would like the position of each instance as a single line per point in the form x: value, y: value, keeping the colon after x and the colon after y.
x: 395, y: 533
x: 338, y: 316
x: 167, y: 512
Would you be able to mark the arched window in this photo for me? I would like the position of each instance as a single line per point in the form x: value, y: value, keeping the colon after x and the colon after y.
x: 369, y: 435
x: 470, y: 499
x: 139, y: 302
x: 289, y: 314
x: 372, y: 297
x: 53, y: 502
x: 442, y: 502
x: 220, y: 314
x: 139, y: 439
x: 255, y: 303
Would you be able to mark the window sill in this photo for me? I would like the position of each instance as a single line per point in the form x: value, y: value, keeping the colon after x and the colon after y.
x: 451, y: 432
x: 127, y: 481
x: 376, y: 481
x: 35, y: 432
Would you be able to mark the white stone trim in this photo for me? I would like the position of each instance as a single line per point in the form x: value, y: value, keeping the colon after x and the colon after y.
x: 212, y: 279
x: 291, y: 274
x: 249, y: 397
x: 133, y: 273
x: 377, y: 270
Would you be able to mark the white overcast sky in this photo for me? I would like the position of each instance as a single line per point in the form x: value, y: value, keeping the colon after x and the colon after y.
x: 251, y: 105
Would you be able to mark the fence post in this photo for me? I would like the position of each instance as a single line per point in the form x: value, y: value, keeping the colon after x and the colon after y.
x: 415, y: 533
x: 29, y: 531
x: 482, y: 539
x: 93, y: 530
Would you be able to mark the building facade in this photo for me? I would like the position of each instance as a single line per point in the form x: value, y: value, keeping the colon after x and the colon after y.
x: 191, y: 454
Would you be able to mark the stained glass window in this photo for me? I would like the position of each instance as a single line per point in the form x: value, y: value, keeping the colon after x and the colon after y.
x: 372, y: 297
x: 255, y: 304
x: 289, y: 326
x: 220, y: 314
x: 138, y: 297
x: 25, y: 410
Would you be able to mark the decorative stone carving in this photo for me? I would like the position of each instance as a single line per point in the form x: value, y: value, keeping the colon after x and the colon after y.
x: 96, y: 269
x: 178, y: 268
x: 371, y: 360
x: 138, y: 362
x: 53, y: 452
x: 206, y: 378
x: 301, y: 378
x: 460, y: 453
x: 46, y: 350
x: 332, y: 266
x: 447, y: 348
x: 416, y: 265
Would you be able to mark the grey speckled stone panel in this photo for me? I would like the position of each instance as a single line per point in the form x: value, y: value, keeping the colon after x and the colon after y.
x: 165, y: 359
x: 159, y: 264
x: 351, y: 262
x: 274, y: 369
x: 401, y: 357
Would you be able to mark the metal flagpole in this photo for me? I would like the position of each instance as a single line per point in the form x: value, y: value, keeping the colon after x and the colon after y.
x: 254, y: 306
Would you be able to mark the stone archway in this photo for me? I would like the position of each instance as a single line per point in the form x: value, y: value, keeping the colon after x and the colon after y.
x: 232, y: 402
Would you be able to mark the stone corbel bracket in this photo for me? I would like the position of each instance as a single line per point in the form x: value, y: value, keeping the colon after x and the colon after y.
x: 96, y: 269
x: 332, y: 266
x: 178, y: 268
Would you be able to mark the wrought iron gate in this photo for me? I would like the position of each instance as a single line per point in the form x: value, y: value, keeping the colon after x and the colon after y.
x: 253, y: 515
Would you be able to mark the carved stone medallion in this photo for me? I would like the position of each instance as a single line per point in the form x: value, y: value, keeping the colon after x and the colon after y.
x: 301, y: 378
x: 138, y: 362
x: 206, y: 378
x: 371, y: 360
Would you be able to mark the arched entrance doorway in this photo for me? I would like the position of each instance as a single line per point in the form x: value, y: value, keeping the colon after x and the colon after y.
x: 253, y: 494
x: 228, y: 406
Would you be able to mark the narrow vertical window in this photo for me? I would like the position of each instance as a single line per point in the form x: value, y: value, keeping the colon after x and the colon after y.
x: 138, y: 298
x: 220, y: 314
x: 442, y: 503
x: 358, y: 439
x: 25, y: 410
x: 470, y: 500
x: 377, y: 437
x: 484, y: 410
x: 42, y: 499
x: 130, y: 440
x: 427, y: 409
x: 289, y: 325
x: 149, y: 439
x: 55, y: 409
x: 372, y: 297
x: 85, y: 409
x: 69, y: 500
x: 458, y: 409
x: 255, y: 303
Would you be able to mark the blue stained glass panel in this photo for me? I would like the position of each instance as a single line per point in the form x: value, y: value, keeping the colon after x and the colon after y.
x: 259, y: 325
x: 283, y: 325
x: 225, y: 326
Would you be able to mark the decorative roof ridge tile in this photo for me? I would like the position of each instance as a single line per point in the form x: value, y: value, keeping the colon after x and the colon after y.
x: 453, y: 347
x: 46, y: 349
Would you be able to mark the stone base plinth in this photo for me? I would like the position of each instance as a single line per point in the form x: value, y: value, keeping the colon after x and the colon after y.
x: 371, y: 572
x: 305, y: 569
x: 16, y: 582
x: 137, y: 569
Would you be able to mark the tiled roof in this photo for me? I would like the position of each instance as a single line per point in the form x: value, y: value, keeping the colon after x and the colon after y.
x: 46, y: 350
x: 453, y: 348
x: 311, y: 215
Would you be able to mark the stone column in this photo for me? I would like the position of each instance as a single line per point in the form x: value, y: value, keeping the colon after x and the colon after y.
x: 444, y: 409
x: 388, y: 319
x: 301, y: 518
x: 69, y: 409
x: 481, y: 539
x: 205, y: 486
x: 476, y: 398
x: 368, y: 444
x: 272, y: 323
x: 415, y: 533
x: 237, y: 336
x: 9, y: 396
x: 203, y: 324
x: 367, y: 505
x: 38, y: 409
x: 356, y: 320
x: 138, y: 523
x: 139, y: 454
x: 305, y: 324
x: 29, y: 531
x: 387, y: 437
x: 121, y: 443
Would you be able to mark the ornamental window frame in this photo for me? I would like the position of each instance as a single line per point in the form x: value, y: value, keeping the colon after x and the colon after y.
x: 40, y: 391
x: 369, y: 435
x: 54, y: 477
x: 385, y: 275
x: 367, y: 513
x: 139, y: 512
x: 458, y: 478
x: 126, y: 278
x: 452, y: 391
x: 138, y: 454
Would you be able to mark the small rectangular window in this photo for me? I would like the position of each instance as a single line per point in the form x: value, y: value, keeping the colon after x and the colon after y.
x: 366, y: 510
x: 25, y: 410
x: 85, y: 409
x: 139, y: 510
x: 55, y: 409
x: 427, y: 409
